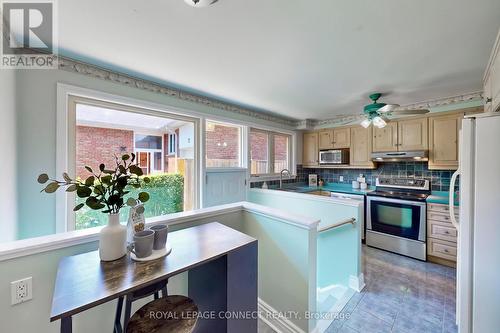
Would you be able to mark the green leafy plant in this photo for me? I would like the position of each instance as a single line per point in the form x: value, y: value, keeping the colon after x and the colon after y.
x: 104, y: 190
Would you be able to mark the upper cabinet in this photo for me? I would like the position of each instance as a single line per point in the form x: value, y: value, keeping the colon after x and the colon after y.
x: 361, y: 147
x: 443, y: 138
x: 402, y: 135
x: 325, y: 139
x: 412, y: 134
x: 310, y: 149
x: 492, y: 80
x: 341, y: 138
x: 385, y: 139
x: 335, y: 138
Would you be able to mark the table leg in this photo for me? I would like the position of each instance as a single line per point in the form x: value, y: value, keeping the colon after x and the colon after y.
x: 118, y: 316
x: 66, y: 325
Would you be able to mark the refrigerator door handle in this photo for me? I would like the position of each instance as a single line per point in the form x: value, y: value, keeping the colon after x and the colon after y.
x: 452, y: 199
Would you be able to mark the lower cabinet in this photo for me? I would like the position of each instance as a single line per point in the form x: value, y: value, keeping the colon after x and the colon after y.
x: 441, y: 235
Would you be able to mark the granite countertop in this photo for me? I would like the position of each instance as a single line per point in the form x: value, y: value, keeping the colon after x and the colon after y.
x: 441, y: 197
x: 332, y: 187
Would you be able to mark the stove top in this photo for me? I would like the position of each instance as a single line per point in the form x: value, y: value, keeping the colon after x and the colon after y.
x: 402, y: 188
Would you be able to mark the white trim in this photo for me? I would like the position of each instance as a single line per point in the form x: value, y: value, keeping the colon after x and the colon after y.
x: 64, y: 215
x: 36, y: 245
x: 278, y: 323
x: 357, y: 282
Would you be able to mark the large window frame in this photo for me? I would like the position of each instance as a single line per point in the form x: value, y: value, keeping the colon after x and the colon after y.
x: 68, y: 98
x: 272, y: 174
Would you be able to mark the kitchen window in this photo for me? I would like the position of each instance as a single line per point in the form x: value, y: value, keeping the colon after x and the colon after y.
x: 270, y: 152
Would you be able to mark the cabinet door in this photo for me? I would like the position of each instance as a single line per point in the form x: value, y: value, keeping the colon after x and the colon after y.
x: 326, y: 139
x: 341, y: 138
x: 385, y: 139
x: 412, y: 134
x: 361, y: 146
x: 310, y: 149
x: 443, y: 137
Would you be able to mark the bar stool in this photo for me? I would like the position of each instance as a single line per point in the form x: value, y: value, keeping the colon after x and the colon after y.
x: 153, y: 289
x: 168, y: 314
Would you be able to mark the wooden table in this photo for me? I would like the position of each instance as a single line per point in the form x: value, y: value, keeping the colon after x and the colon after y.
x: 222, y: 265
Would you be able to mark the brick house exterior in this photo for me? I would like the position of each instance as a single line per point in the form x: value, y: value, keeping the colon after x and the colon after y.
x: 215, y: 143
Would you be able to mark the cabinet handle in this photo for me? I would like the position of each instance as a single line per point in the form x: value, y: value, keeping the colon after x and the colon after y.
x: 447, y: 232
x: 446, y: 250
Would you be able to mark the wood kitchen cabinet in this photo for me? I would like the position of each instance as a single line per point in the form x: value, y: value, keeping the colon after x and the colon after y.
x: 443, y: 141
x: 403, y: 135
x: 441, y: 235
x: 385, y: 139
x: 412, y: 134
x: 361, y: 147
x: 325, y: 139
x: 341, y: 138
x: 335, y: 138
x: 492, y: 79
x: 310, y: 149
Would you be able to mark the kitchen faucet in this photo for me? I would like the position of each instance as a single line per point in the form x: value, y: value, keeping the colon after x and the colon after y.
x: 281, y: 176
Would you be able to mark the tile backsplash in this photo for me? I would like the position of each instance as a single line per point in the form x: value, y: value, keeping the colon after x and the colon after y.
x: 439, y: 179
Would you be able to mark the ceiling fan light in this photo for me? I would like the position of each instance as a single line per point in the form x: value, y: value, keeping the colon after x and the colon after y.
x: 379, y: 122
x: 366, y: 123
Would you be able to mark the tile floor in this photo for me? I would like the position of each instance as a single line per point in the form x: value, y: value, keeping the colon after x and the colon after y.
x: 401, y: 295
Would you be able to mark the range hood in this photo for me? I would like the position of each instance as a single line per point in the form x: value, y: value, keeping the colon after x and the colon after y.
x: 396, y: 156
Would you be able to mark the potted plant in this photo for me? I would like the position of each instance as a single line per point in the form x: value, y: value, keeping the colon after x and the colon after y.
x: 105, y: 191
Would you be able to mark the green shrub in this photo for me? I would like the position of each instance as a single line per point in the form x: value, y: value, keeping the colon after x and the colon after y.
x: 166, y: 193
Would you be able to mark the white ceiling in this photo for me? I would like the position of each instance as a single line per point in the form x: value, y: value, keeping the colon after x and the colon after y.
x: 301, y: 58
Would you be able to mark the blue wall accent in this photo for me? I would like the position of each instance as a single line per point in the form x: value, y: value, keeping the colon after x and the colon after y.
x: 440, y: 179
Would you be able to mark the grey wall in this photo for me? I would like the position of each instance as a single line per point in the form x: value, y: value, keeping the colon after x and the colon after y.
x: 8, y: 165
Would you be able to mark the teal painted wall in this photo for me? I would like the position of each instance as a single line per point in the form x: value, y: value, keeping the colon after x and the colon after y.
x: 339, y: 250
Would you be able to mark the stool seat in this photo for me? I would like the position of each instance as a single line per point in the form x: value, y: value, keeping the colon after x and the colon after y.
x: 174, y: 313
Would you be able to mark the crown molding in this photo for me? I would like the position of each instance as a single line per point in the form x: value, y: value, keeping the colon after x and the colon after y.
x: 433, y: 103
x: 345, y: 119
x: 74, y: 66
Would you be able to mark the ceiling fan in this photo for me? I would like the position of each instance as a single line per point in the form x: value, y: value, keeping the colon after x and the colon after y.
x: 376, y: 113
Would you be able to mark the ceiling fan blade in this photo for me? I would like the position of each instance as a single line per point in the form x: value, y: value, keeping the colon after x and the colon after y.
x: 409, y: 112
x: 388, y: 108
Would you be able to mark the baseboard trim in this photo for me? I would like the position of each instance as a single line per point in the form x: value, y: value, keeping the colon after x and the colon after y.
x: 277, y: 323
x: 357, y: 282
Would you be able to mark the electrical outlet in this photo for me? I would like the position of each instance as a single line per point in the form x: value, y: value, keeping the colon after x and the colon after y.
x: 21, y: 290
x: 341, y: 179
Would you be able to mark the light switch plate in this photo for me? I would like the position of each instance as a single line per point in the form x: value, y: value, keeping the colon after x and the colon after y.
x: 21, y: 290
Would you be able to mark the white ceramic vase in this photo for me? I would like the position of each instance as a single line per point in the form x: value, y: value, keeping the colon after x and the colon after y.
x: 113, y: 239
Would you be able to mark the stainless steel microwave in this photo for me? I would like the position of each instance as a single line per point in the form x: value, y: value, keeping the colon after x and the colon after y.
x: 334, y: 156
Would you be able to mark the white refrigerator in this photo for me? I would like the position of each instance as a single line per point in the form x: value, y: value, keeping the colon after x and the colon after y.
x: 478, y: 253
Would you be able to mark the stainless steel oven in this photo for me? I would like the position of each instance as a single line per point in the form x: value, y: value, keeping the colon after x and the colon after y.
x: 334, y: 156
x: 396, y: 220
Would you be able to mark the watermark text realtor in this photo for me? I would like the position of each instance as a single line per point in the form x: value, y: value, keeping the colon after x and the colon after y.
x: 28, y: 35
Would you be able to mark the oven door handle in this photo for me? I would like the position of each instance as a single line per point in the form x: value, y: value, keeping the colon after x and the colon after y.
x: 393, y: 200
x: 451, y: 198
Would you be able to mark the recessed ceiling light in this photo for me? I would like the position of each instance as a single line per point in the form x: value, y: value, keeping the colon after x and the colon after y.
x: 200, y: 3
